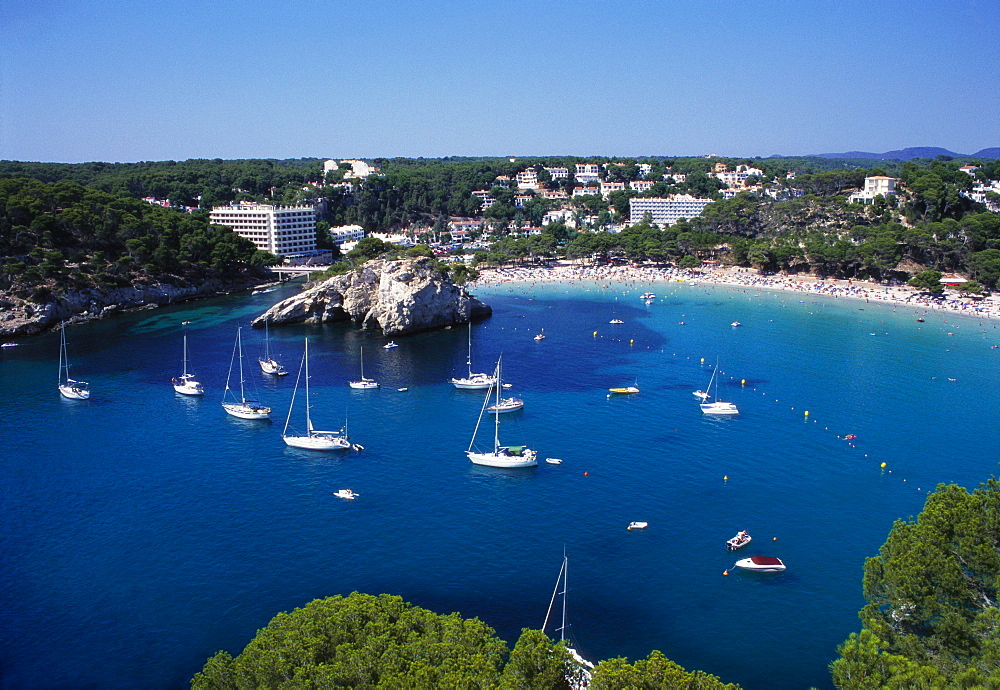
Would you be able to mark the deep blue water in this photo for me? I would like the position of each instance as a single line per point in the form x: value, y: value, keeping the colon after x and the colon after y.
x: 143, y: 531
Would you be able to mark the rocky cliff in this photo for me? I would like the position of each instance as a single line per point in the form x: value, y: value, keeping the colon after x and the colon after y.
x: 395, y: 296
x: 19, y: 316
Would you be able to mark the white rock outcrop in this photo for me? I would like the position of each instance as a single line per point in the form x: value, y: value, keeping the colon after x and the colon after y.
x: 395, y: 296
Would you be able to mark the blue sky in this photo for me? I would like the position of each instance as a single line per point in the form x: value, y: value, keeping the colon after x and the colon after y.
x: 127, y: 81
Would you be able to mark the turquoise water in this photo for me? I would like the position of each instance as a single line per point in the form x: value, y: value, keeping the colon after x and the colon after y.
x: 143, y: 531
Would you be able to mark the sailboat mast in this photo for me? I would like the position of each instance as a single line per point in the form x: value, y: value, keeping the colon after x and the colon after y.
x: 496, y: 417
x: 562, y: 630
x: 468, y: 358
x: 62, y: 349
x: 239, y: 346
x: 309, y: 426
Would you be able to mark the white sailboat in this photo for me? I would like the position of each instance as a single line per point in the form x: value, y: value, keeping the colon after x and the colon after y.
x: 578, y: 669
x: 500, y: 456
x: 74, y: 390
x: 363, y: 383
x: 242, y: 408
x: 313, y: 439
x: 502, y: 405
x: 185, y: 384
x: 716, y: 406
x: 472, y: 381
x: 268, y: 364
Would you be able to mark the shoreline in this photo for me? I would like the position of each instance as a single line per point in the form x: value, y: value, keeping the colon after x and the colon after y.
x: 898, y: 295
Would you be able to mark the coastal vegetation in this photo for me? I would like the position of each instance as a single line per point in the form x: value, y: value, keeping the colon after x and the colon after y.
x: 60, y: 236
x: 931, y: 618
x: 367, y: 641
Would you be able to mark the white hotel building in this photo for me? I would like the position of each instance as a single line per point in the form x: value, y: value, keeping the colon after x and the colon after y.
x: 281, y: 230
x: 666, y: 211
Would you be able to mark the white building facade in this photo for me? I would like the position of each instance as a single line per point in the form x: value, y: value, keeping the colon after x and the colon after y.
x: 666, y: 211
x: 281, y: 230
x: 879, y: 184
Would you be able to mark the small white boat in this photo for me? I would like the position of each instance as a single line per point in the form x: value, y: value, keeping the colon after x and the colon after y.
x: 363, y: 383
x: 263, y: 291
x: 312, y: 439
x: 241, y: 407
x: 186, y: 384
x: 506, y: 405
x: 472, y: 381
x: 403, y: 389
x: 268, y: 364
x: 764, y: 564
x: 501, y: 456
x: 716, y: 406
x: 554, y: 461
x: 739, y: 541
x: 74, y: 390
x: 540, y: 336
x: 346, y: 494
x: 638, y: 525
x: 616, y: 321
x: 701, y: 395
x: 389, y: 345
x: 12, y: 344
x: 647, y: 296
x: 734, y: 324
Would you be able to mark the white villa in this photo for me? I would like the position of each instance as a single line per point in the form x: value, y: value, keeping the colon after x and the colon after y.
x: 874, y: 186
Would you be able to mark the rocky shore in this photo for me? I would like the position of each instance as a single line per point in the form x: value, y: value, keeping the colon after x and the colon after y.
x: 20, y: 317
x: 395, y: 296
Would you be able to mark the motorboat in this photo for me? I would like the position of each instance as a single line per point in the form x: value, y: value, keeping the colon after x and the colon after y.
x: 403, y: 389
x: 540, y: 336
x: 623, y: 391
x: 638, y: 525
x: 347, y: 494
x: 12, y: 344
x: 739, y: 541
x: 554, y: 461
x: 647, y: 296
x: 764, y: 564
x: 734, y: 324
x: 616, y: 321
x: 389, y: 345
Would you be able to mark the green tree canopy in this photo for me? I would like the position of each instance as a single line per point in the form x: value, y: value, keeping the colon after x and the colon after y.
x: 932, y: 618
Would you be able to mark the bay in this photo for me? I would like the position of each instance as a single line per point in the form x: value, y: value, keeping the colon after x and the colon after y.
x: 143, y: 531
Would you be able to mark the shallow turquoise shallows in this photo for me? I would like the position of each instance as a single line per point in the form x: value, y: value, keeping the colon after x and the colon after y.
x: 142, y: 531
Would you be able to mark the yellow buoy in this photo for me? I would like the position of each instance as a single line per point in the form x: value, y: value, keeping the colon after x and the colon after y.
x: 702, y: 360
x: 631, y: 341
x: 882, y: 465
x: 725, y: 572
x: 743, y: 382
x: 807, y: 413
x: 595, y: 334
x: 726, y: 478
x: 774, y: 539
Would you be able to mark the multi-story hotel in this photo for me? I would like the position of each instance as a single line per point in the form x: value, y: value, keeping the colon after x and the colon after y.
x: 874, y: 186
x: 667, y: 211
x: 281, y: 230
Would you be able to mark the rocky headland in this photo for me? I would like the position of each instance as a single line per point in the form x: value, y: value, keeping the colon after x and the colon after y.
x: 395, y: 296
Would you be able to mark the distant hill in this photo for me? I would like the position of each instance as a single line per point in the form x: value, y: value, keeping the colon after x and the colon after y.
x: 913, y: 152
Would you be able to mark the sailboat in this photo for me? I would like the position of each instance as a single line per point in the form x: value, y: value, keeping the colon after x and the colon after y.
x: 244, y: 409
x: 363, y: 383
x: 313, y: 439
x: 578, y: 672
x: 74, y: 390
x: 716, y: 406
x: 472, y: 381
x: 185, y: 383
x: 511, y: 404
x: 500, y: 456
x: 268, y: 364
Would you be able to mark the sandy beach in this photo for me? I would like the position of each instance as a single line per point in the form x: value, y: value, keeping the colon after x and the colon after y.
x: 902, y: 295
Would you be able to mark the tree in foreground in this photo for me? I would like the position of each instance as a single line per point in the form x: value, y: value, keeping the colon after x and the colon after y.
x: 362, y: 641
x: 928, y: 281
x: 932, y: 618
x: 654, y: 672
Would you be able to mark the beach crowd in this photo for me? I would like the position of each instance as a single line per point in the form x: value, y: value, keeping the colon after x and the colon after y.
x: 899, y: 294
